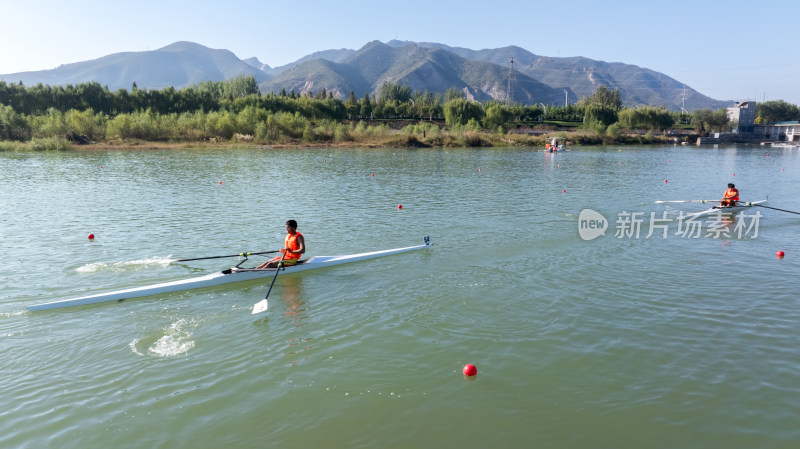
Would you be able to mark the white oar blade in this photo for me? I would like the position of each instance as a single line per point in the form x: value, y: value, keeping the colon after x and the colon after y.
x: 260, y: 307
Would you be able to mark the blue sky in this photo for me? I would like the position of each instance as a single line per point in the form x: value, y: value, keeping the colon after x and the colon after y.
x: 728, y: 50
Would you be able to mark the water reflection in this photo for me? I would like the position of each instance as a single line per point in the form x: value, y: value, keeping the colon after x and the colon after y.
x: 292, y: 295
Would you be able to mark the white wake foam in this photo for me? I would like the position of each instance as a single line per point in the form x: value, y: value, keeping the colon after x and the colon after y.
x: 177, y: 340
x: 130, y: 265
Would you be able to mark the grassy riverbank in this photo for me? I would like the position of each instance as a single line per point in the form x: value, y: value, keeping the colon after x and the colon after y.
x: 422, y: 135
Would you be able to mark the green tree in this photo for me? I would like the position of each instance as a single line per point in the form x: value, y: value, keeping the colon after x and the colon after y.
x: 389, y: 110
x: 605, y: 97
x: 87, y: 123
x: 13, y: 125
x: 460, y: 111
x: 598, y: 117
x: 393, y: 92
x: 706, y: 120
x: 453, y: 94
x: 646, y: 117
x: 242, y: 86
x: 365, y: 107
x: 776, y: 111
x: 352, y: 106
x: 497, y: 116
x: 533, y: 113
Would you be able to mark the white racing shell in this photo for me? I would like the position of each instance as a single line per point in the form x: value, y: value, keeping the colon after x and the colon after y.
x: 219, y: 278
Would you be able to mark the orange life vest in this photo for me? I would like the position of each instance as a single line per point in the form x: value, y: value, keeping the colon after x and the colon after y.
x: 732, y: 194
x: 292, y: 245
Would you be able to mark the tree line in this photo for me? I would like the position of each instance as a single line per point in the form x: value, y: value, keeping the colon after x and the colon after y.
x: 222, y: 109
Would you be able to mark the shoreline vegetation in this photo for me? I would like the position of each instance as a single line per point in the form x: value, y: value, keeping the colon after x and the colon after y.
x: 235, y: 114
x: 375, y: 136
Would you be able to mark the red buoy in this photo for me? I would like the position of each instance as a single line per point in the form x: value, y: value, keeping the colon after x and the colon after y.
x: 780, y: 254
x: 399, y: 206
x: 91, y: 236
x: 470, y: 370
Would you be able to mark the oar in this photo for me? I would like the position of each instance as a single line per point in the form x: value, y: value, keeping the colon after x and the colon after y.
x: 230, y: 255
x: 690, y: 201
x: 262, y: 305
x: 773, y: 208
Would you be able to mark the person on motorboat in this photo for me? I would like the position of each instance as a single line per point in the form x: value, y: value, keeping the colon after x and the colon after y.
x: 294, y: 247
x: 731, y: 196
x: 554, y: 145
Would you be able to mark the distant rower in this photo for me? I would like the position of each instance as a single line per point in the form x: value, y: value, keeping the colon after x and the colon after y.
x: 731, y: 196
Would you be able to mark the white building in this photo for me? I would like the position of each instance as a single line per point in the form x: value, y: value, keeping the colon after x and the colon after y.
x: 782, y: 131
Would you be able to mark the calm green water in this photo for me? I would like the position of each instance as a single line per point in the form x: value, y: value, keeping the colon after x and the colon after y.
x: 618, y: 342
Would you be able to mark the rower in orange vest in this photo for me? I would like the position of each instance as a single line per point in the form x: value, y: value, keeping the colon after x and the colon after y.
x: 731, y: 196
x: 294, y: 247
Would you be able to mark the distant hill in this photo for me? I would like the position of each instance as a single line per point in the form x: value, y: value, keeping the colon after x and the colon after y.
x: 315, y: 75
x: 328, y: 55
x: 582, y: 76
x: 179, y: 65
x: 420, y: 68
x: 481, y: 74
x: 254, y: 62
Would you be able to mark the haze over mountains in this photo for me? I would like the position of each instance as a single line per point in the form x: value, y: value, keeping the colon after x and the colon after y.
x: 481, y: 74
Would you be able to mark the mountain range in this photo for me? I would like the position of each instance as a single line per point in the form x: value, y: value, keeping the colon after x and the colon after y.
x: 489, y: 74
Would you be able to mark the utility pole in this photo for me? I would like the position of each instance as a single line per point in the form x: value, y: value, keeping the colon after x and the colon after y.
x: 510, y: 89
x: 683, y: 108
x: 566, y: 101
